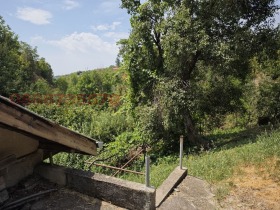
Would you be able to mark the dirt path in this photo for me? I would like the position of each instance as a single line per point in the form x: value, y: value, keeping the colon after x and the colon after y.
x: 191, y: 194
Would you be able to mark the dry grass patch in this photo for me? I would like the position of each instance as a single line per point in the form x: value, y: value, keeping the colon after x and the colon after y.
x: 255, y: 187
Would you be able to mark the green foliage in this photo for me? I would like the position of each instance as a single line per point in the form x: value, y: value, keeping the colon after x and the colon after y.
x: 71, y: 160
x: 45, y: 70
x: 20, y: 64
x: 40, y: 86
x: 96, y: 81
x: 9, y: 57
x: 261, y: 93
x: 102, y: 125
x: 217, y: 166
x: 269, y: 90
x: 205, y: 47
x: 61, y: 84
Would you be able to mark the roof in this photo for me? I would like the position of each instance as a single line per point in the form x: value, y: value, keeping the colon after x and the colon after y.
x: 51, y: 136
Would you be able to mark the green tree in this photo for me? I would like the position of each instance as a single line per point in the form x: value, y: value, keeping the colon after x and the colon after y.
x: 20, y: 64
x: 26, y: 74
x: 40, y: 86
x: 45, y: 70
x: 9, y: 58
x: 62, y: 84
x: 177, y: 40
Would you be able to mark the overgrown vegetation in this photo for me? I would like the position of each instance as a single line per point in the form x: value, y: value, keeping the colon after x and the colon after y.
x: 208, y: 71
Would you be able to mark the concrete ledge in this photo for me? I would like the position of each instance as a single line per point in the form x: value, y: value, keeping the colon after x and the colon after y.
x: 55, y: 174
x: 122, y: 193
x: 173, y: 180
x: 21, y: 168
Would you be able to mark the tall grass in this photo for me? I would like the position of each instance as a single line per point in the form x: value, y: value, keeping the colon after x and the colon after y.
x: 214, y: 166
x: 217, y: 166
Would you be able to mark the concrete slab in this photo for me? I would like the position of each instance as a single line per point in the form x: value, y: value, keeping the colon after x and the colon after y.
x: 192, y: 194
x: 22, y: 168
x: 55, y: 174
x: 169, y: 184
x: 120, y: 192
x: 62, y: 198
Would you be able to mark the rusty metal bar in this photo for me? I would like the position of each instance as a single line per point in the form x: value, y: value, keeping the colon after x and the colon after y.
x: 121, y: 169
x: 129, y: 162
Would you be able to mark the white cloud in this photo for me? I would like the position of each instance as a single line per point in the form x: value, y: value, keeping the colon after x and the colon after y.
x: 76, y: 51
x: 106, y: 27
x: 116, y: 36
x: 84, y: 43
x: 70, y: 4
x: 35, y: 16
x: 37, y: 39
x: 109, y: 6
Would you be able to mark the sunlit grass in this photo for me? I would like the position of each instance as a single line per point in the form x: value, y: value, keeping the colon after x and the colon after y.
x: 214, y: 166
x: 219, y: 164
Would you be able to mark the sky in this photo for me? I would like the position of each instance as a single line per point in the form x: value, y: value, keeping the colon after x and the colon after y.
x: 72, y: 35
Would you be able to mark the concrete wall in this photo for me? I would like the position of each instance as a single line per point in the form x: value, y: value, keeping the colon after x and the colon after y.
x: 21, y: 168
x: 13, y: 143
x: 18, y: 156
x: 122, y: 193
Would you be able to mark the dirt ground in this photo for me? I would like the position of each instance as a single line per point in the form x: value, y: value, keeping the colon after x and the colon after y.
x: 255, y: 188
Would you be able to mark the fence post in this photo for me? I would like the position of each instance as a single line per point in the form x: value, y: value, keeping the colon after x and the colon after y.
x: 147, y: 171
x: 181, y: 151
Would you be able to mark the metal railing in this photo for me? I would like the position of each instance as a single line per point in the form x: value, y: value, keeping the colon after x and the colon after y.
x: 147, y: 163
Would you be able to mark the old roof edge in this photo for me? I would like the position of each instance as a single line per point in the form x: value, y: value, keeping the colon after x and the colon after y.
x: 62, y: 135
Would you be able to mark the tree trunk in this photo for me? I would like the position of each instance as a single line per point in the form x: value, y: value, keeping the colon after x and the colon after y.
x: 190, y: 128
x: 190, y: 65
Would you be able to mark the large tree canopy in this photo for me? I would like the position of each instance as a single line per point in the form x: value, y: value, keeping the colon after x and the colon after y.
x: 9, y: 55
x: 20, y: 65
x: 182, y: 40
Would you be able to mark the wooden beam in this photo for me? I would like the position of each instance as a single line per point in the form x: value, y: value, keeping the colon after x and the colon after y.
x: 44, y: 144
x: 22, y: 119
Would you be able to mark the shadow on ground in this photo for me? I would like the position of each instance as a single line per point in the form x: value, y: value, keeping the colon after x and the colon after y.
x: 238, y: 138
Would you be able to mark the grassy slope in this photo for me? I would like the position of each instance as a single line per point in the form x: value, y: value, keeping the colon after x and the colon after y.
x: 251, y: 147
